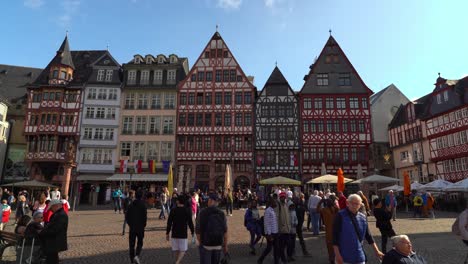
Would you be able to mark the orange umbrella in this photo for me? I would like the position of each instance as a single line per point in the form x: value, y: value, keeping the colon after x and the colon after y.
x: 406, y: 183
x: 340, y: 181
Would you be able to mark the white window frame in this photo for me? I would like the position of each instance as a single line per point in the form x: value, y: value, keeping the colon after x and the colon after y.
x: 107, y: 156
x: 154, y: 125
x: 88, y: 133
x: 168, y: 125
x: 158, y: 77
x: 100, y: 75
x: 171, y: 76
x: 144, y: 78
x: 110, y: 113
x: 97, y: 156
x: 439, y: 99
x: 109, y: 75
x: 100, y: 113
x: 90, y: 112
x: 109, y: 134
x: 445, y: 95
x: 129, y: 101
x: 112, y: 94
x: 126, y: 146
x: 92, y: 92
x: 131, y: 77
x: 98, y: 134
x: 139, y: 150
x: 156, y: 101
x: 167, y: 150
x: 141, y: 125
x: 127, y: 125
x: 169, y: 100
x: 152, y: 151
x: 102, y: 94
x: 142, y: 101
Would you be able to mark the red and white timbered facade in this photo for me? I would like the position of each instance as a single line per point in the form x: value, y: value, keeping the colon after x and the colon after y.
x: 335, y: 117
x: 447, y: 129
x: 215, y: 120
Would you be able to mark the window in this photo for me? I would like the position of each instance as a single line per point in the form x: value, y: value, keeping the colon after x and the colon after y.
x: 168, y: 125
x: 238, y: 143
x: 88, y: 133
x: 191, y: 120
x: 340, y: 103
x: 353, y: 154
x: 238, y: 119
x: 193, y: 78
x: 100, y: 113
x: 218, y: 119
x: 45, y: 96
x: 445, y: 95
x: 352, y: 124
x: 307, y: 103
x: 353, y: 103
x: 232, y: 75
x: 225, y: 75
x: 198, y: 144
x: 345, y: 155
x: 183, y: 98
x: 336, y: 125
x: 329, y: 103
x: 361, y: 126
x: 247, y: 119
x: 55, y: 74
x: 171, y: 76
x: 201, y: 76
x: 207, y: 119
x: 99, y: 133
x: 207, y: 143
x: 131, y: 77
x: 238, y: 99
x: 154, y: 125
x: 109, y: 75
x: 182, y: 119
x: 404, y: 155
x: 152, y: 150
x: 199, y: 98
x: 142, y: 101
x: 344, y: 79
x: 227, y: 98
x: 110, y: 113
x: 112, y: 94
x: 141, y: 125
x: 208, y: 98
x: 199, y: 120
x: 102, y: 94
x: 320, y: 126
x: 86, y: 156
x: 144, y: 79
x: 219, y: 53
x: 247, y: 98
x: 439, y: 99
x: 322, y: 79
x: 167, y: 150
x: 209, y: 76
x: 218, y: 76
x: 139, y: 150
x: 63, y: 75
x: 156, y: 101
x: 313, y: 127
x: 109, y: 134
x: 318, y: 103
x: 158, y: 76
x: 218, y: 98
x: 191, y: 99
x: 90, y: 112
x: 207, y: 54
x: 169, y: 100
x: 130, y: 101
x: 227, y: 119
x: 37, y: 97
x: 92, y: 93
x: 107, y: 153
x: 127, y: 127
x: 364, y: 103
x: 329, y: 126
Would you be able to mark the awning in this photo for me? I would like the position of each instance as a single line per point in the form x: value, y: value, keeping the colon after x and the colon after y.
x: 92, y: 177
x: 138, y: 177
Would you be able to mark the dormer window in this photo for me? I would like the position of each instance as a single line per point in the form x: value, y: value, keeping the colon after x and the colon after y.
x: 55, y: 74
x: 100, y: 75
x: 149, y: 60
x: 63, y: 75
x: 137, y: 59
x: 109, y: 75
x: 439, y: 98
x: 445, y: 95
x: 322, y: 79
x: 173, y: 59
x: 161, y: 59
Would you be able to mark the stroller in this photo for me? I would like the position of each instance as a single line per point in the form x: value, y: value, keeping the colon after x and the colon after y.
x: 29, y: 251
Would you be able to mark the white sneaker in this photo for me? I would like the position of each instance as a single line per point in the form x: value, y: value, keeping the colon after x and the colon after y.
x: 136, y: 260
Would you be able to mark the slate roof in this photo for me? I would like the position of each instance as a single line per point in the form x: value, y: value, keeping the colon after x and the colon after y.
x: 376, y: 96
x: 63, y: 55
x: 82, y: 61
x: 277, y: 85
x: 420, y: 110
x: 332, y: 49
x: 15, y: 79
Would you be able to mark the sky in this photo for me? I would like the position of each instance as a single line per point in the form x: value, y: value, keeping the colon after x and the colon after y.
x: 404, y: 42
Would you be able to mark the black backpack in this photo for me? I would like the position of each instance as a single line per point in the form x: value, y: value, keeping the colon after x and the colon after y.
x: 215, y: 227
x: 261, y: 225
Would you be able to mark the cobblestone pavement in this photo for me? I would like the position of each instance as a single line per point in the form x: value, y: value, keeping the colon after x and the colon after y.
x: 94, y: 236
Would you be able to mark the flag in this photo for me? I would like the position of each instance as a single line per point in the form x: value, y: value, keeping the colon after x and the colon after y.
x: 340, y: 182
x: 123, y: 166
x: 152, y: 166
x: 293, y: 160
x: 170, y: 181
x: 137, y: 166
x: 228, y: 178
x: 406, y: 183
x: 166, y: 164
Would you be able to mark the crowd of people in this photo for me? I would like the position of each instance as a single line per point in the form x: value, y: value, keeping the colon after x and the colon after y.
x: 40, y: 223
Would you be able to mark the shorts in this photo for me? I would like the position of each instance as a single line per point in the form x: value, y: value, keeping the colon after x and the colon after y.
x: 179, y: 244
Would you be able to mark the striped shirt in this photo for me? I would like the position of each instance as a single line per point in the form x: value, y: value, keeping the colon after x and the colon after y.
x: 270, y: 222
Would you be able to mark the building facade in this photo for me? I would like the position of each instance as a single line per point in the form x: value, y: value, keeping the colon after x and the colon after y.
x: 148, y: 112
x: 408, y: 142
x: 384, y: 106
x: 447, y: 128
x: 13, y: 83
x: 4, y: 128
x: 215, y: 114
x: 97, y: 148
x: 52, y: 127
x: 335, y: 117
x: 277, y: 130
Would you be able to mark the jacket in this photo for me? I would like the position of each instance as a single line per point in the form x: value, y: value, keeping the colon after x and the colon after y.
x: 292, y: 221
x: 54, y: 235
x: 6, y: 211
x: 136, y: 216
x: 393, y: 257
x: 251, y: 220
x: 387, y: 200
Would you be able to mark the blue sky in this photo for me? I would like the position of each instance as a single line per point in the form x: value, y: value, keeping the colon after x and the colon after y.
x: 402, y: 42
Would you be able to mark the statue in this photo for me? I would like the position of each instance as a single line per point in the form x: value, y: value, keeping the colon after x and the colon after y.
x: 70, y: 155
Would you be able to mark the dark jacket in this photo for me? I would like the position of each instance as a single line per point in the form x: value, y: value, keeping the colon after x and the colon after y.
x: 32, y: 232
x: 179, y: 219
x: 136, y: 216
x: 54, y: 235
x: 383, y: 219
x: 393, y: 257
x: 126, y: 203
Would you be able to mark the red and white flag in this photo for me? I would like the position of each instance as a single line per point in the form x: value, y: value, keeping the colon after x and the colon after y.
x: 294, y: 161
x: 123, y: 166
x: 137, y: 166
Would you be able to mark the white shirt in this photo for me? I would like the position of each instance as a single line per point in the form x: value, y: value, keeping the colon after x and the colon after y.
x: 290, y: 194
x: 55, y: 195
x: 313, y: 202
x: 270, y: 222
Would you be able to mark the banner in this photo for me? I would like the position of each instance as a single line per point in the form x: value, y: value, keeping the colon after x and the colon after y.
x: 137, y: 166
x: 166, y: 164
x: 260, y: 160
x: 152, y: 166
x: 123, y: 166
x: 293, y: 160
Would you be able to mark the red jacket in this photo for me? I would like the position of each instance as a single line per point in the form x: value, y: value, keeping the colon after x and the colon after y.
x: 66, y: 206
x: 6, y: 211
x: 342, y: 202
x: 47, y: 214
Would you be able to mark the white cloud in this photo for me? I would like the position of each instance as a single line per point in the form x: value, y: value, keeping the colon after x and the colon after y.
x: 33, y: 3
x: 229, y: 4
x: 69, y: 9
x: 269, y: 3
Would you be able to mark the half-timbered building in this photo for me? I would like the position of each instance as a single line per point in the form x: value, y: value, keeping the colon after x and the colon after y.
x: 447, y: 128
x: 335, y: 116
x: 277, y: 129
x: 53, y: 115
x: 215, y: 114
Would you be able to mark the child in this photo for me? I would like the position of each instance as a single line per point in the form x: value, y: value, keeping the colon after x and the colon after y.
x: 6, y: 211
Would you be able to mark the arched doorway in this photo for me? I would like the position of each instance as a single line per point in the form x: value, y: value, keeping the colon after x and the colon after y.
x: 202, y: 177
x: 241, y: 182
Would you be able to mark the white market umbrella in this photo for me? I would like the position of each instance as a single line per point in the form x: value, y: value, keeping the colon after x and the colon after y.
x: 461, y: 186
x: 396, y: 188
x: 437, y: 185
x: 416, y: 185
x: 377, y: 179
x: 328, y: 178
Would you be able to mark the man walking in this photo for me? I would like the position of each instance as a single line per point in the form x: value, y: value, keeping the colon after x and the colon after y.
x: 383, y: 217
x: 211, y: 230
x: 126, y: 204
x: 179, y: 218
x: 349, y: 230
x: 314, y: 214
x: 270, y: 222
x: 54, y: 235
x: 136, y: 218
x: 116, y: 195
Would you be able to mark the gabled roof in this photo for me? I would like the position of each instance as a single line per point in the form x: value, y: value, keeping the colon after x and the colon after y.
x: 15, y: 79
x: 337, y: 63
x: 63, y: 55
x: 277, y: 85
x: 420, y: 108
x: 375, y: 97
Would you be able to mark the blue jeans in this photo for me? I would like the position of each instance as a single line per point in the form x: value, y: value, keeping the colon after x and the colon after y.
x: 254, y: 238
x: 315, y: 221
x: 209, y: 256
x: 163, y: 211
x: 117, y: 204
x: 228, y: 208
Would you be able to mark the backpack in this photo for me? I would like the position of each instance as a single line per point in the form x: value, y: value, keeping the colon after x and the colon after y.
x: 215, y: 228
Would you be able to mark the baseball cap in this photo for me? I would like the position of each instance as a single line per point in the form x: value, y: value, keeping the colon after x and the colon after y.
x: 282, y: 195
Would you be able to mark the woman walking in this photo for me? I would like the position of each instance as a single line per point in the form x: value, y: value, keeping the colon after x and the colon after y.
x: 252, y: 223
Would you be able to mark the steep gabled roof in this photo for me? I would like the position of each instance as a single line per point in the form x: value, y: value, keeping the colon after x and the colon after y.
x: 333, y: 61
x: 15, y: 79
x: 420, y: 111
x: 277, y: 85
x: 63, y: 55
